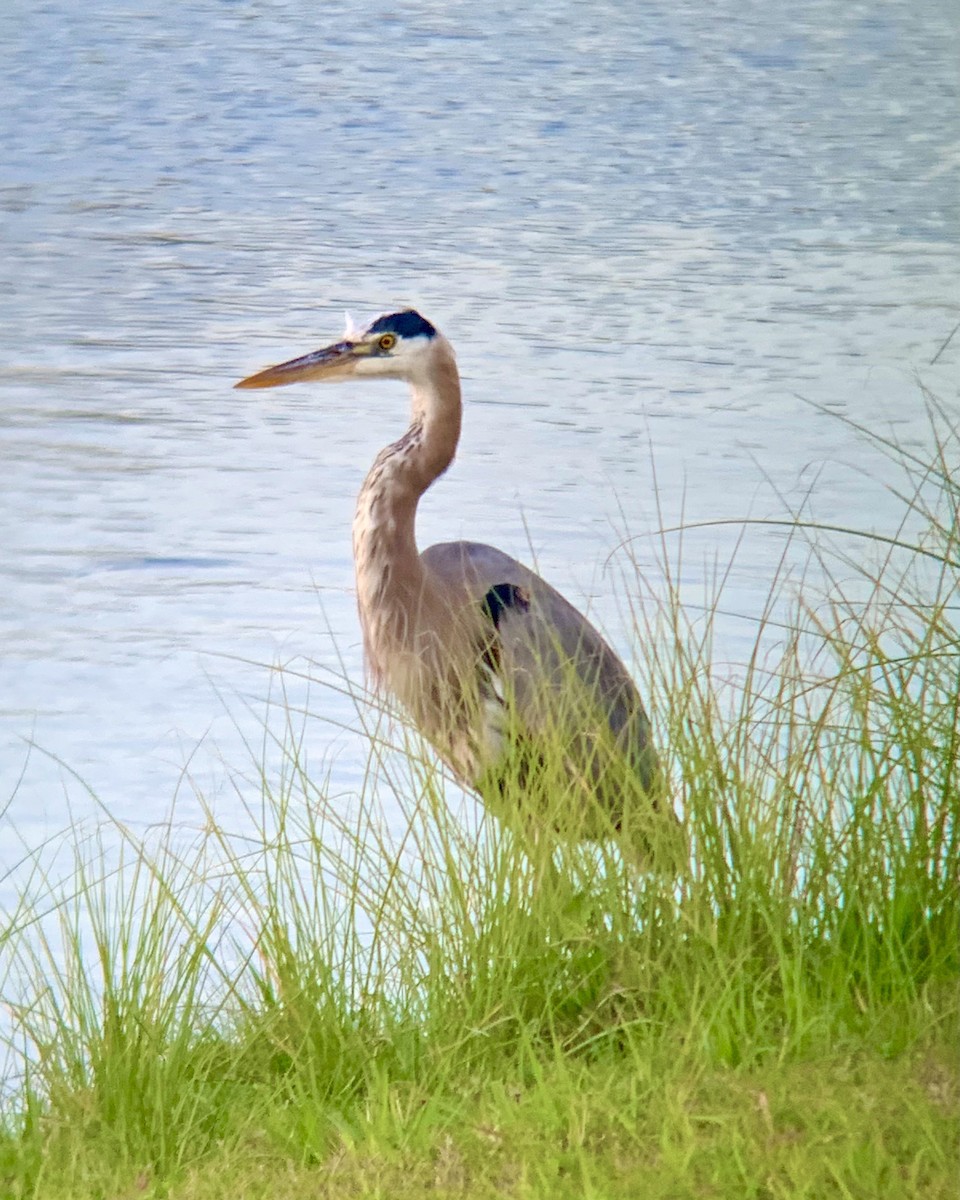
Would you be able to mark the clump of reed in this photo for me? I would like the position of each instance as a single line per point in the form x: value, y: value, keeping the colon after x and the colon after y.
x: 353, y: 963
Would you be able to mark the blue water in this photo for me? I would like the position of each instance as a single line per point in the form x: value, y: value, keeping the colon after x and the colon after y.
x: 654, y: 232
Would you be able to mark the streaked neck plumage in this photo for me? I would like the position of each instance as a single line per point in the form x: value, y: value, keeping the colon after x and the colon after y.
x: 390, y: 576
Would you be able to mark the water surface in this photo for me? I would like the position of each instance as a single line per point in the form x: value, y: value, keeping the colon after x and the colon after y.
x: 654, y: 232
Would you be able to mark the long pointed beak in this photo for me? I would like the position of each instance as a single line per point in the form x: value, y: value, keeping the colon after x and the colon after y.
x: 332, y: 362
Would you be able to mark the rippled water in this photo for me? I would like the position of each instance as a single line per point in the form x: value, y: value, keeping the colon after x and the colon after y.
x: 649, y: 229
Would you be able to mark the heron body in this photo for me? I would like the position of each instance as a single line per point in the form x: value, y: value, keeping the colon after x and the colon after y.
x: 515, y: 689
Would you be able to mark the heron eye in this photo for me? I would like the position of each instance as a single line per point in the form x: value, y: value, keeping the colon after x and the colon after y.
x: 388, y: 341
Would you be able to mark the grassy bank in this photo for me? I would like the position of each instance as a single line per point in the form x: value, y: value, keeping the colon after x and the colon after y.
x: 330, y: 1006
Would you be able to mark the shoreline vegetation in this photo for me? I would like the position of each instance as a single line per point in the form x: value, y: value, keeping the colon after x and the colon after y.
x: 338, y: 1005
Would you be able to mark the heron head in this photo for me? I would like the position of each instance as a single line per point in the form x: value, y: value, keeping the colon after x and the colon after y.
x: 392, y: 346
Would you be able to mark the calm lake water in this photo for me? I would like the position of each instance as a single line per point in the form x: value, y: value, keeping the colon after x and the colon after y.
x: 653, y: 231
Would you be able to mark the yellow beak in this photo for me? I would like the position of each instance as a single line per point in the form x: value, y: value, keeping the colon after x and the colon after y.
x: 333, y: 362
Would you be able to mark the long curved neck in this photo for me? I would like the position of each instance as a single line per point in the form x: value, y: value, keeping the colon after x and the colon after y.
x: 390, y: 576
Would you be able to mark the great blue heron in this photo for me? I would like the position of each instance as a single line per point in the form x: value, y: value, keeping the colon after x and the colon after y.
x: 515, y: 689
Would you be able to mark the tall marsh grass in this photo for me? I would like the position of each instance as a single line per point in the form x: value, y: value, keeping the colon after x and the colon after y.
x: 333, y: 976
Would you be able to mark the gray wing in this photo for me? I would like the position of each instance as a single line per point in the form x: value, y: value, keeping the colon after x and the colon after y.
x: 562, y: 676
